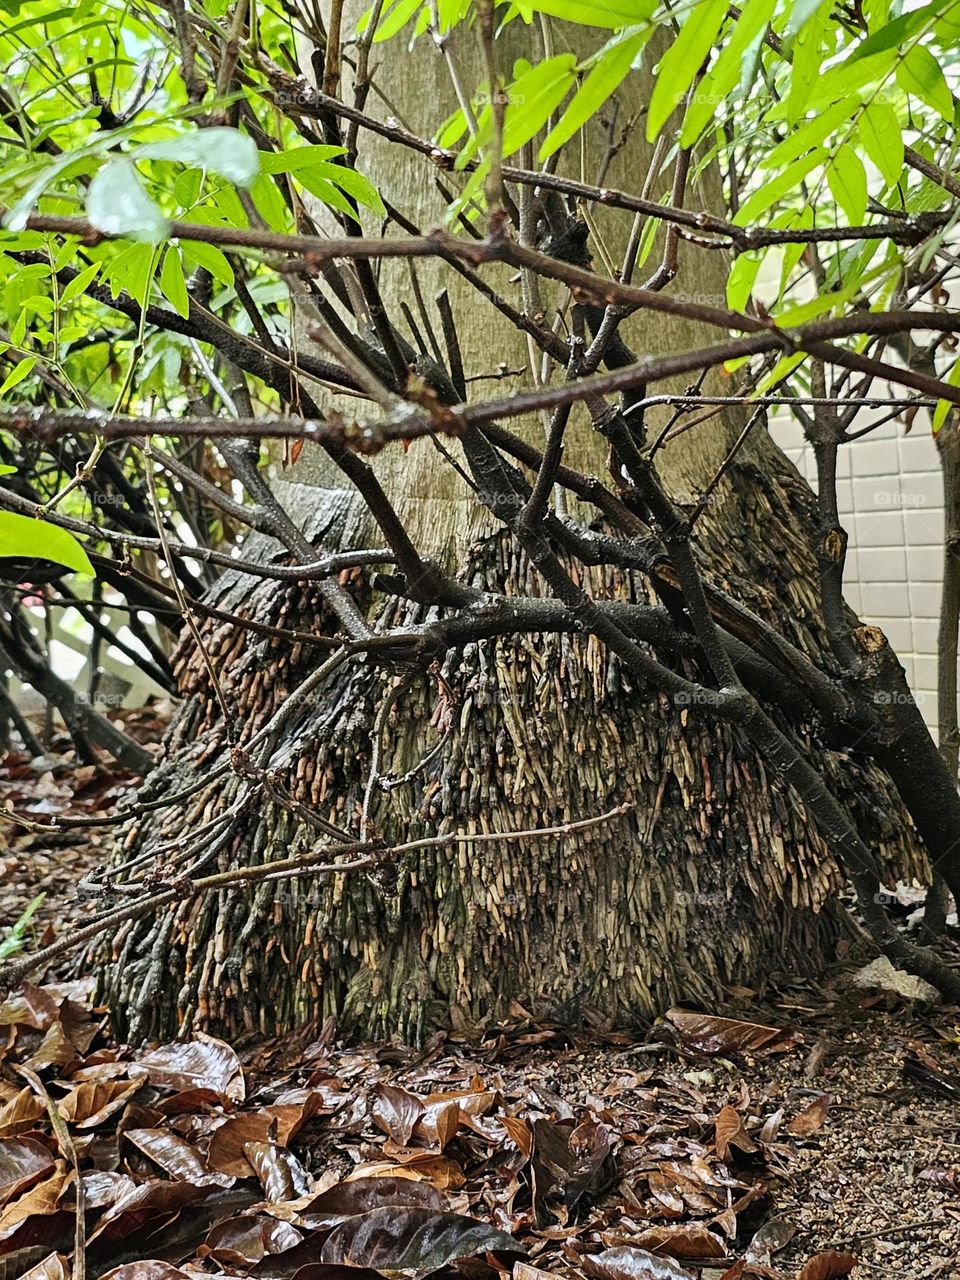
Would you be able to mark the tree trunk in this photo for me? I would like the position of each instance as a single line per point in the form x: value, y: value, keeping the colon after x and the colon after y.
x: 712, y: 878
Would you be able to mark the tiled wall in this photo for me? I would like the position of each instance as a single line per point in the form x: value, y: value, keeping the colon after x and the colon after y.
x: 891, y: 504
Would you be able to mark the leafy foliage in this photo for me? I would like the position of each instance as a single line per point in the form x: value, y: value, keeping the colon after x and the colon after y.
x: 811, y: 108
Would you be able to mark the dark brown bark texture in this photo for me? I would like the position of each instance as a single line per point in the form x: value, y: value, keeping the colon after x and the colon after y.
x: 715, y: 878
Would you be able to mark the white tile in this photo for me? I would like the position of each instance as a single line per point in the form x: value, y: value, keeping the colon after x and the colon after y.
x: 920, y: 489
x: 885, y: 600
x: 879, y: 529
x: 876, y: 457
x: 882, y: 564
x: 924, y: 599
x: 925, y: 672
x: 923, y: 528
x: 926, y: 700
x: 844, y: 462
x: 924, y: 634
x: 876, y: 493
x: 919, y: 453
x: 925, y: 564
x: 898, y: 632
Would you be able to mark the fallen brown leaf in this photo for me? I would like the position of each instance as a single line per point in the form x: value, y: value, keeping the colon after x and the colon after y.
x: 731, y: 1133
x: 811, y: 1118
x: 828, y: 1266
x: 729, y: 1035
x: 203, y: 1063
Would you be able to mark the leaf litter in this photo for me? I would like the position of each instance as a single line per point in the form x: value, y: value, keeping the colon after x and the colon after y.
x: 701, y: 1153
x: 816, y: 1137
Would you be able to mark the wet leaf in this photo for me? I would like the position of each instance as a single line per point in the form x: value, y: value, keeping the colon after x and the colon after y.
x: 366, y: 1195
x: 188, y: 1101
x: 629, y: 1263
x: 204, y: 1063
x: 321, y: 1271
x: 55, y: 1050
x: 148, y: 1269
x: 519, y: 1133
x: 593, y: 1168
x: 396, y: 1111
x: 225, y: 1153
x: 150, y: 1203
x: 280, y: 1172
x: 728, y: 1035
x: 773, y: 1236
x: 689, y: 1241
x: 90, y: 1104
x: 20, y: 1114
x: 102, y: 1188
x: 828, y: 1266
x: 731, y: 1133
x: 402, y: 1239
x: 811, y: 1118
x: 175, y: 1156
x: 245, y: 1240
x: 23, y: 1161
x: 39, y: 1208
x: 52, y: 1267
x: 31, y: 1007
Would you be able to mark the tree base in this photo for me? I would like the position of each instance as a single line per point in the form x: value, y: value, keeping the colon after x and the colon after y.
x: 713, y: 879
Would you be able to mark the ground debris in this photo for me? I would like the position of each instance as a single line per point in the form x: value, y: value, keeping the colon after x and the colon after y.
x: 536, y: 1151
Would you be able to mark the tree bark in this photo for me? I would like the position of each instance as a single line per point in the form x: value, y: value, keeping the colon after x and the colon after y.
x: 714, y: 876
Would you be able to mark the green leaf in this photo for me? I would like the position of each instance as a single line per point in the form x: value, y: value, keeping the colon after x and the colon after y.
x: 809, y: 310
x: 79, y: 283
x: 595, y: 13
x: 17, y: 374
x: 895, y: 34
x: 847, y: 78
x: 919, y: 74
x: 882, y: 139
x: 186, y: 187
x: 118, y: 204
x: 782, y: 369
x: 27, y: 538
x: 680, y: 64
x: 533, y: 97
x: 269, y: 203
x: 604, y: 79
x: 944, y: 406
x: 5, y: 470
x: 395, y: 19
x: 297, y: 158
x: 805, y: 58
x: 724, y: 75
x: 811, y: 134
x: 740, y: 282
x: 209, y: 257
x: 792, y: 253
x: 131, y: 269
x: 847, y: 179
x: 172, y: 284
x: 355, y: 184
x: 778, y: 187
x: 219, y: 149
x: 800, y: 12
